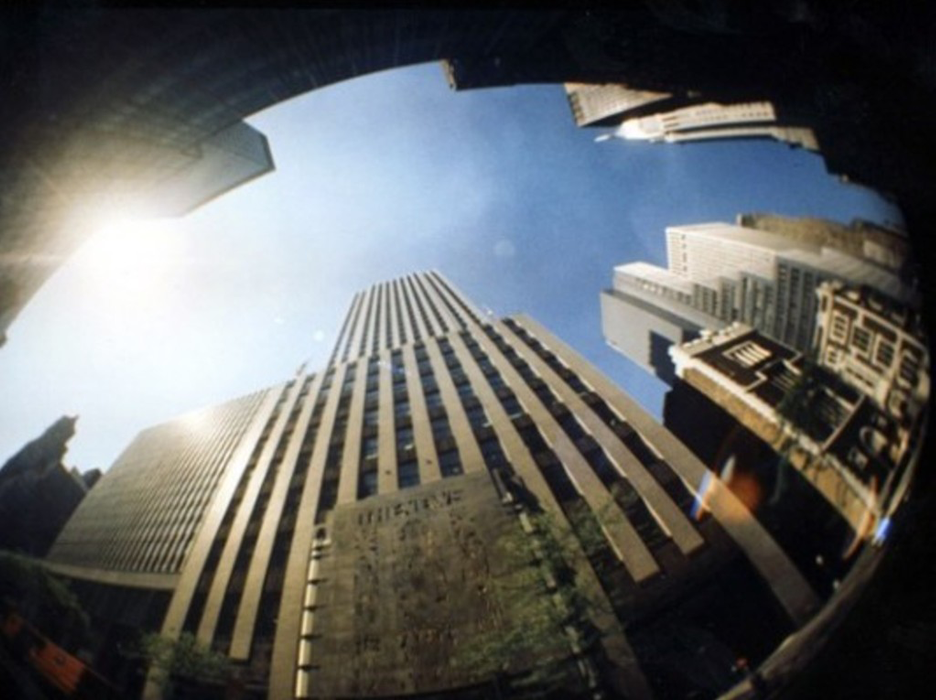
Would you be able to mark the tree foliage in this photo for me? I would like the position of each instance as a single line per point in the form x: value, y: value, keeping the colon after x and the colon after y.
x: 184, y: 659
x: 43, y: 599
x: 557, y: 631
x: 797, y: 410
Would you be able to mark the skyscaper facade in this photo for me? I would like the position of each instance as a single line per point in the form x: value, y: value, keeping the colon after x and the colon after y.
x: 711, y: 120
x: 607, y: 105
x: 719, y: 273
x: 391, y: 525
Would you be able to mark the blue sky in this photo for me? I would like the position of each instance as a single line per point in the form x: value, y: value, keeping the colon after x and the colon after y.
x: 376, y: 177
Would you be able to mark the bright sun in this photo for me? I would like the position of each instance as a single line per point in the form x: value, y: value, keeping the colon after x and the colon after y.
x: 129, y: 261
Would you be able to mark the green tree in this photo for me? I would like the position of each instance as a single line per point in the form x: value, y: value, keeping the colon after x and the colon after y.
x: 557, y: 632
x: 797, y: 410
x: 181, y: 662
x: 43, y: 599
x: 798, y: 417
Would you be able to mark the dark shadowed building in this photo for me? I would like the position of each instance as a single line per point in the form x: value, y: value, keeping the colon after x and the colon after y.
x: 37, y: 492
x: 834, y: 435
x: 142, y: 110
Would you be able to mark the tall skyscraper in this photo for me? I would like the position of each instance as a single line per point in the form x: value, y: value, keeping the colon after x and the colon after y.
x: 607, y: 105
x: 645, y: 115
x: 403, y: 522
x: 38, y: 492
x: 719, y: 273
x: 711, y: 120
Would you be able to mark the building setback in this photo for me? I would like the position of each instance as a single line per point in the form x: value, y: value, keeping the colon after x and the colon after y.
x: 392, y: 524
x: 645, y: 115
x: 705, y: 121
x: 719, y: 273
x: 607, y: 105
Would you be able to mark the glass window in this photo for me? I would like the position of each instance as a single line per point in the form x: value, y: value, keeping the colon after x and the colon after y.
x: 450, y: 463
x: 512, y: 406
x: 408, y: 474
x: 909, y: 368
x: 441, y: 428
x: 492, y: 453
x: 477, y: 417
x: 861, y: 338
x: 369, y: 447
x: 367, y: 486
x: 404, y: 438
x: 433, y: 400
x: 572, y: 427
x: 885, y: 353
x: 839, y: 330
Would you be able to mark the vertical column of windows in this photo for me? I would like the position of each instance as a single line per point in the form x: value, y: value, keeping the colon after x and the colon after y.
x: 407, y: 457
x: 416, y: 329
x: 417, y: 316
x: 400, y: 314
x: 426, y: 404
x: 443, y: 311
x: 331, y: 475
x: 351, y: 459
x: 440, y: 294
x: 386, y: 327
x: 378, y: 320
x: 370, y: 444
x: 343, y: 334
x: 407, y: 462
x: 237, y: 581
x: 355, y: 328
x: 265, y: 629
x: 438, y: 323
x: 429, y: 324
x: 450, y: 462
x: 366, y: 326
x: 206, y: 578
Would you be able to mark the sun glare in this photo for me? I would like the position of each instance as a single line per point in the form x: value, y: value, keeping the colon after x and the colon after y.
x: 129, y: 260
